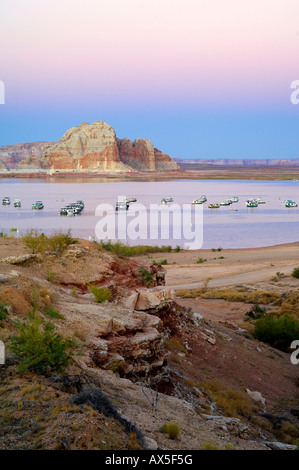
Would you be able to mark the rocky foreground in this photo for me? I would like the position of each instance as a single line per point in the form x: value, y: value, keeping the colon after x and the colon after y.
x: 142, y: 361
x: 86, y: 148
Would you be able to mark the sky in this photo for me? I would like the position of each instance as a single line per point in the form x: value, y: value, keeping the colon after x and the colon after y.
x: 200, y: 78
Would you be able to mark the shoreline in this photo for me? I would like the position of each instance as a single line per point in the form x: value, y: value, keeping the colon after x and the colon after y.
x: 208, y: 172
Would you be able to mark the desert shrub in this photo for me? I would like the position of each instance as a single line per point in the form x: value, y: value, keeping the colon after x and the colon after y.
x: 3, y: 313
x: 100, y: 294
x: 289, y: 304
x: 41, y: 297
x: 288, y: 433
x: 201, y: 260
x: 295, y: 273
x: 51, y: 276
x: 279, y: 332
x: 145, y: 276
x: 38, y: 347
x: 55, y: 243
x: 210, y: 446
x: 74, y: 292
x: 232, y: 295
x: 255, y: 312
x: 171, y: 429
x: 59, y: 241
x: 233, y: 403
x: 164, y: 262
x: 177, y: 248
x: 35, y: 241
x: 122, y: 249
x: 53, y: 313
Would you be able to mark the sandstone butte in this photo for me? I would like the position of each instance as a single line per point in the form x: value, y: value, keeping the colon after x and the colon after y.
x: 88, y: 147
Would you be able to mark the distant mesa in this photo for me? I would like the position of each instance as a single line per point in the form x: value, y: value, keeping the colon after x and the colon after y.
x: 196, y: 164
x: 88, y: 147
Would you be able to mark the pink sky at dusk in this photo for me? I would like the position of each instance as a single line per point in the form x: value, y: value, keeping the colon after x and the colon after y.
x: 168, y: 53
x: 156, y: 47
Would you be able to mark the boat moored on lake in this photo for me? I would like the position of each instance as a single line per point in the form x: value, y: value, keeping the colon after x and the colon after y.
x: 226, y: 202
x: 290, y: 203
x: 122, y: 206
x: 38, y: 205
x: 200, y: 200
x: 6, y: 201
x: 75, y: 208
x: 251, y: 203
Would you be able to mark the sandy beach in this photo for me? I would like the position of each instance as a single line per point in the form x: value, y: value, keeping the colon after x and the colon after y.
x: 254, y: 268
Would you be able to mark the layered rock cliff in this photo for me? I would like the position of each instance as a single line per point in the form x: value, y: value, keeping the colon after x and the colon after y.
x: 12, y: 155
x: 91, y: 147
x: 96, y: 147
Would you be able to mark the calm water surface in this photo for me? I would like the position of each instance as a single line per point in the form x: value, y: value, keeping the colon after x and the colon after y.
x: 268, y: 224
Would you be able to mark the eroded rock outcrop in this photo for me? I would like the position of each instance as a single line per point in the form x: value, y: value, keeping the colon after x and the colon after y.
x: 92, y: 147
x: 85, y: 147
x: 12, y: 155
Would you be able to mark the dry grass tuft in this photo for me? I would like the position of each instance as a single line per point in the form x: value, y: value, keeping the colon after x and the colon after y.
x: 233, y: 403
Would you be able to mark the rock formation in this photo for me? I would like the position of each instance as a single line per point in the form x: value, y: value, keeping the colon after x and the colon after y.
x: 196, y: 163
x: 86, y: 147
x: 139, y: 155
x: 95, y: 147
x: 11, y: 155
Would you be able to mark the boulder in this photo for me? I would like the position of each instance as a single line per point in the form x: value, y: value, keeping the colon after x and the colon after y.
x: 152, y: 299
x: 279, y: 446
x: 20, y: 259
x: 256, y: 396
x: 150, y: 444
x: 8, y: 277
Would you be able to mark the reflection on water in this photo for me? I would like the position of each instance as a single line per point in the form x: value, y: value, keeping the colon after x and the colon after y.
x: 268, y: 224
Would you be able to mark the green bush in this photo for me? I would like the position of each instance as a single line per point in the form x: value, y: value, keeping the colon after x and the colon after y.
x: 52, y: 313
x: 279, y: 332
x: 35, y: 241
x: 255, y: 312
x: 145, y: 276
x: 3, y: 314
x: 100, y: 294
x: 201, y: 260
x: 295, y: 273
x: 164, y: 262
x: 51, y: 276
x: 55, y: 243
x: 171, y: 429
x: 125, y: 250
x: 177, y: 248
x: 59, y: 241
x: 39, y: 348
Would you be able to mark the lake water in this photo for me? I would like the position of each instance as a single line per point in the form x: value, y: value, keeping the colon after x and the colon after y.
x: 268, y: 224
